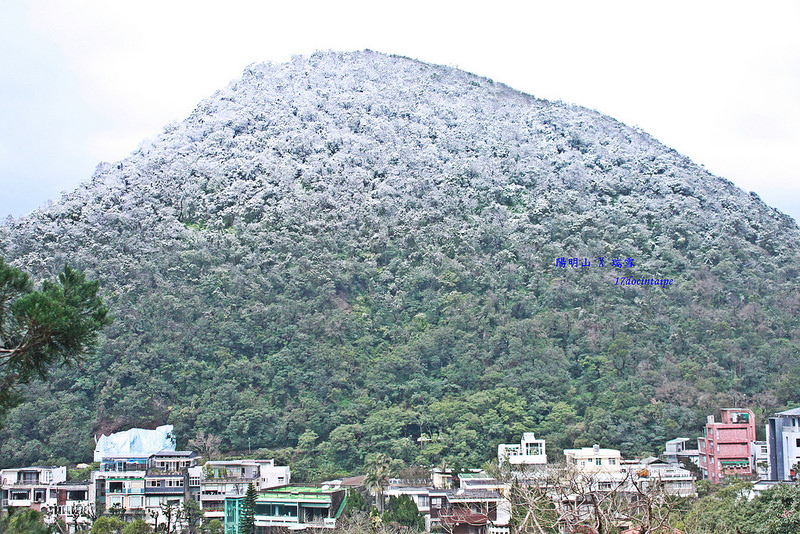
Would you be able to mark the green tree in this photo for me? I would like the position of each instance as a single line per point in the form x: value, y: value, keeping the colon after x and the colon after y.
x: 40, y: 329
x: 355, y: 502
x: 27, y: 521
x: 170, y: 512
x: 214, y: 526
x: 378, y: 469
x: 403, y: 511
x: 192, y: 514
x: 137, y: 526
x: 719, y: 509
x: 116, y: 510
x: 247, y: 524
x: 108, y: 525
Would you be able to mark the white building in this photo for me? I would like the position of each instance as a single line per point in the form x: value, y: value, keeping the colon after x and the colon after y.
x: 594, y: 459
x: 651, y: 473
x: 677, y: 450
x: 31, y: 487
x: 760, y: 458
x: 230, y: 478
x: 529, y: 451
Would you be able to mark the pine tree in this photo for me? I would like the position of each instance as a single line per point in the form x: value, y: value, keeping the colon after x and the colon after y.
x: 39, y: 329
x: 247, y: 523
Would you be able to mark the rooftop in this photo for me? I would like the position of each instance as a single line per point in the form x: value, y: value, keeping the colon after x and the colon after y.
x: 793, y: 411
x: 180, y: 454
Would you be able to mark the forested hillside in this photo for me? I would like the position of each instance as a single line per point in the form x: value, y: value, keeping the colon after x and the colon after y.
x: 337, y: 255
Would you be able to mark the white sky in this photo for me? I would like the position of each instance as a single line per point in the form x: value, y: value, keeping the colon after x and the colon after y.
x: 84, y: 81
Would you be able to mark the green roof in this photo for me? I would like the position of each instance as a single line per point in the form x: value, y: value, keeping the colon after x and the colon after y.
x: 474, y: 475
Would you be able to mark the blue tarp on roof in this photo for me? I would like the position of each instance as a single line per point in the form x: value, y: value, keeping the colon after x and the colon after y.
x: 136, y: 442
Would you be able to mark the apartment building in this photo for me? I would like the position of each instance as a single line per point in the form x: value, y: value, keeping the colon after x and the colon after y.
x: 726, y: 445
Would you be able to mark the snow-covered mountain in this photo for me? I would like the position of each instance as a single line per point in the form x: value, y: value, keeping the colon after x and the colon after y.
x: 338, y: 254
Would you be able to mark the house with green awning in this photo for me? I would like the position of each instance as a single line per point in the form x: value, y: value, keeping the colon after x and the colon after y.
x: 292, y: 507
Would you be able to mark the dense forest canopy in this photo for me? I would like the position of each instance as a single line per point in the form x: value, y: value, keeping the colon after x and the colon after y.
x: 341, y: 254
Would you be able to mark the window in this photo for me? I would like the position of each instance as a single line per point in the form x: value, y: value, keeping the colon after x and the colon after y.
x: 797, y: 442
x: 28, y: 478
x: 612, y: 461
x: 598, y: 461
x: 153, y: 483
x: 533, y: 449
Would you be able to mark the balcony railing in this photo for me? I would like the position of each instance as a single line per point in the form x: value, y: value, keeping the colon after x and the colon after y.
x: 126, y: 491
x: 162, y: 490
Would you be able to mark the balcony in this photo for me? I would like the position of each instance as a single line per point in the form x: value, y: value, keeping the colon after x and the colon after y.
x: 126, y: 491
x: 162, y: 490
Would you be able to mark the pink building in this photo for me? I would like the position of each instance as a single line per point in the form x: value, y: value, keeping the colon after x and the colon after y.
x: 725, y: 446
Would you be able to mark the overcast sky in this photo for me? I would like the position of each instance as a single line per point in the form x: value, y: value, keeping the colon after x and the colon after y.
x: 84, y: 81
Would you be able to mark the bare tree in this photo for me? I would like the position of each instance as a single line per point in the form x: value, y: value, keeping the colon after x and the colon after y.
x: 564, y: 499
x: 206, y: 444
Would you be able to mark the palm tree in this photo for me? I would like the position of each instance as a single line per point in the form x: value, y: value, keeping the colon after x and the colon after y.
x: 377, y: 468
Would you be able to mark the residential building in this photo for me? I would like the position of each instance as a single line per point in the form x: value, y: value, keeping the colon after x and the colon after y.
x: 143, y: 483
x: 651, y: 473
x: 529, y: 451
x: 290, y: 507
x: 167, y: 482
x: 783, y: 444
x: 480, y: 480
x: 230, y: 478
x: 119, y: 483
x: 123, y: 491
x: 420, y: 495
x: 677, y: 452
x: 594, y: 459
x: 74, y: 504
x: 725, y: 446
x: 442, y: 478
x: 463, y: 511
x: 759, y: 454
x: 172, y: 461
x: 31, y: 487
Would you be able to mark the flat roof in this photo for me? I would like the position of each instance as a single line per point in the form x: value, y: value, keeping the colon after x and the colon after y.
x: 793, y: 411
x: 175, y: 453
x: 474, y: 475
